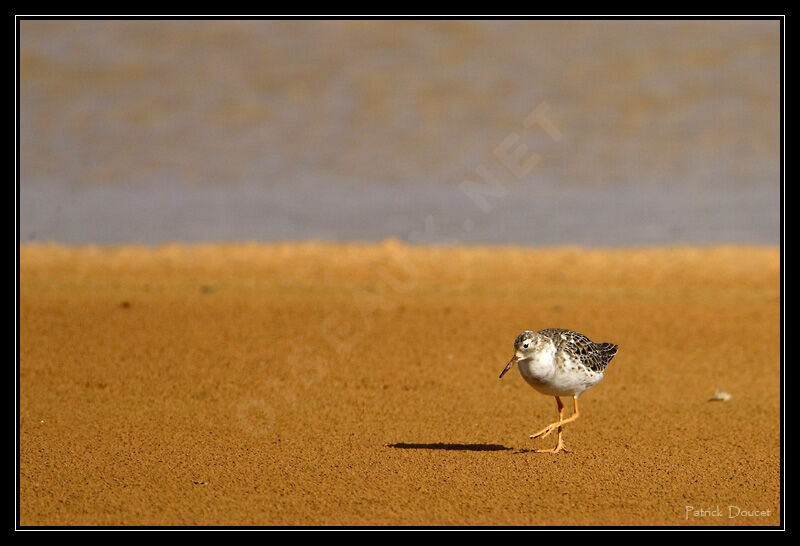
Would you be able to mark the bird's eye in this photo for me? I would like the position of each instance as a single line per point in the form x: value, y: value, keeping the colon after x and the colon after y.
x: 525, y: 345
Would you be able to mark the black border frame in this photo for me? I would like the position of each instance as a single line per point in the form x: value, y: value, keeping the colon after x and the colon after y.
x: 17, y: 527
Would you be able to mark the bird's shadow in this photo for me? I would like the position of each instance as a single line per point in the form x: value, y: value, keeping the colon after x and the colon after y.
x: 451, y: 446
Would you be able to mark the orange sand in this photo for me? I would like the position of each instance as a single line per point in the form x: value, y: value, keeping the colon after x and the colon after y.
x: 321, y: 384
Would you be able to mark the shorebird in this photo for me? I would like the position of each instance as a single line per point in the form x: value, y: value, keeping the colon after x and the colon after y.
x: 560, y: 362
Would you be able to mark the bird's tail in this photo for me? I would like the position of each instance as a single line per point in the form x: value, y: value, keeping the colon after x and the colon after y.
x: 608, y: 350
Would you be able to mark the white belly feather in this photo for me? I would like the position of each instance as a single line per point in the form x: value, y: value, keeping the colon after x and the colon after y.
x: 557, y: 374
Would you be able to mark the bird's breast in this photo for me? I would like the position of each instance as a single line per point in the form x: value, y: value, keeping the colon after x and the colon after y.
x: 558, y: 375
x: 538, y: 370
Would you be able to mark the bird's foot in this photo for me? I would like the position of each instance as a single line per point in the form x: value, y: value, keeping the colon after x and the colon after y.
x: 559, y: 447
x: 545, y: 431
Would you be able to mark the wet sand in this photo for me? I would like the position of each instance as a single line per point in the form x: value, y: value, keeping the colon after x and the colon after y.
x: 321, y: 384
x: 549, y: 132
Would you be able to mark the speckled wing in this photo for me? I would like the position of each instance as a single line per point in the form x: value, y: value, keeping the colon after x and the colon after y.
x: 594, y: 356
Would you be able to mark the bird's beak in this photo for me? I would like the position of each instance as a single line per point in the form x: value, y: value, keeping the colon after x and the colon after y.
x: 509, y: 365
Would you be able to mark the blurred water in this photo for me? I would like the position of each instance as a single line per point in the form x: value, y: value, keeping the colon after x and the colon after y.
x: 156, y: 131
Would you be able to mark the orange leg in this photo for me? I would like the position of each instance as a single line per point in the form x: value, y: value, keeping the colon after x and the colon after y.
x: 557, y: 425
x: 560, y: 443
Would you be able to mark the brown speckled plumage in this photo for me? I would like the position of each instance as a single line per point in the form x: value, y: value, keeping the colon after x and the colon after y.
x: 594, y: 356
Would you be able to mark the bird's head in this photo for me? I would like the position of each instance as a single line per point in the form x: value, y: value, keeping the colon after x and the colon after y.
x: 525, y: 344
